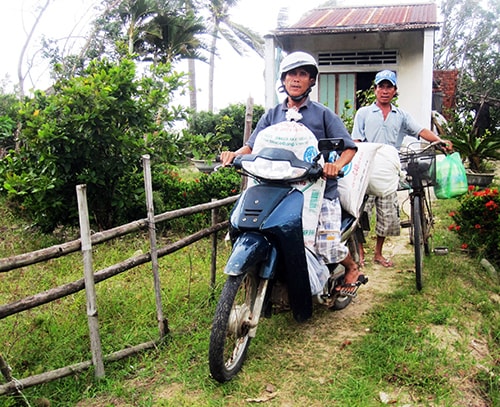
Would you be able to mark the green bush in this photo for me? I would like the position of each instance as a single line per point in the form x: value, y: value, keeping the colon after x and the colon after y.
x: 174, y: 193
x: 93, y: 130
x: 233, y: 119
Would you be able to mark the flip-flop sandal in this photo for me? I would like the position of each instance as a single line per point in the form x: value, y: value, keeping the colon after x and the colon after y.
x: 384, y: 263
x: 362, y: 279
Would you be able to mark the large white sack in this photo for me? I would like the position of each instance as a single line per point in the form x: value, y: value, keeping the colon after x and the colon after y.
x: 303, y: 143
x: 384, y: 172
x: 352, y: 187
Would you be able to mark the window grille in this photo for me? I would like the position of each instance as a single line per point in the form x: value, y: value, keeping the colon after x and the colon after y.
x: 335, y: 58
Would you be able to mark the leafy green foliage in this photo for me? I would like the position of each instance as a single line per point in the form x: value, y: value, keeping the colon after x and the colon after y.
x: 91, y: 130
x: 229, y: 120
x: 172, y: 192
x: 205, y: 146
x: 478, y: 149
x: 469, y: 43
x: 7, y: 127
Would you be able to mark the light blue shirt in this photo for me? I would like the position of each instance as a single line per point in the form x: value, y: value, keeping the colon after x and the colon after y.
x: 370, y: 126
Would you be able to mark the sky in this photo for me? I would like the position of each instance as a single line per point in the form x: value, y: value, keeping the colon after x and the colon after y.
x: 236, y: 78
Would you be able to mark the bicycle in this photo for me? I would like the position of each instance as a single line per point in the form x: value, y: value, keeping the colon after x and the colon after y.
x: 420, y: 166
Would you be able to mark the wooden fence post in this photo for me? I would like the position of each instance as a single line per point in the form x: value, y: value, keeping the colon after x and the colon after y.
x: 95, y: 340
x: 213, y: 264
x: 148, y: 186
x: 247, y: 133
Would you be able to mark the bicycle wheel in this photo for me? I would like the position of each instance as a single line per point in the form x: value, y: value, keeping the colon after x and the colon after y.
x: 418, y: 239
x: 229, y: 339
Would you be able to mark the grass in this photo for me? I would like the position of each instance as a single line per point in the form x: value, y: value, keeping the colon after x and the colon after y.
x: 437, y: 347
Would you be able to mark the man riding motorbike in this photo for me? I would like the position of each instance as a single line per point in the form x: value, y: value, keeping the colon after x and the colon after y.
x: 298, y: 73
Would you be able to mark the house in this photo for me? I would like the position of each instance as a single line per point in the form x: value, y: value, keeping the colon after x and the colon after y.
x: 351, y: 44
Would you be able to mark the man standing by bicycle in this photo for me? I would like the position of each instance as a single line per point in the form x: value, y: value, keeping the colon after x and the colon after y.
x: 382, y: 122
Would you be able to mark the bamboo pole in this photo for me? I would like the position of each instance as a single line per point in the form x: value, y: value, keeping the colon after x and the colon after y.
x: 95, y: 339
x: 26, y: 259
x: 247, y: 133
x: 213, y: 263
x: 148, y: 186
x: 10, y: 387
x: 101, y: 275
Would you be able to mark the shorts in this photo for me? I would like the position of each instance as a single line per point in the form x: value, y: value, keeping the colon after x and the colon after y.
x: 328, y: 236
x: 387, y: 212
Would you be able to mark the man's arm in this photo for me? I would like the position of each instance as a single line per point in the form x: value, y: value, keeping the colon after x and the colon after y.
x: 428, y: 135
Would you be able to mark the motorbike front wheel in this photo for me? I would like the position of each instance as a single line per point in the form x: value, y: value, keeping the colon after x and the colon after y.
x: 233, y: 320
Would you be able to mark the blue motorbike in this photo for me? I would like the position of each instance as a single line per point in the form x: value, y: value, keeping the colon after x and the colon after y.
x: 268, y: 265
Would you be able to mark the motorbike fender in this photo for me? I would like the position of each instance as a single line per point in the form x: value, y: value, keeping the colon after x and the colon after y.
x: 249, y: 249
x: 285, y: 225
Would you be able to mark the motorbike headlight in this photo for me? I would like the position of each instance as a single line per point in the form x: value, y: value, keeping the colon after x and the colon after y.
x: 273, y: 169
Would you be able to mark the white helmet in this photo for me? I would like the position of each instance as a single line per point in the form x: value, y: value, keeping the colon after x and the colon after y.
x: 299, y: 59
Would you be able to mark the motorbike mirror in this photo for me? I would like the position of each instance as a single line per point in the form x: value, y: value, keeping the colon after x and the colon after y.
x: 330, y: 144
x: 327, y: 145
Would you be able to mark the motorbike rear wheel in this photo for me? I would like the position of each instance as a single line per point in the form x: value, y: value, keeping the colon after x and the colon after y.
x: 229, y: 339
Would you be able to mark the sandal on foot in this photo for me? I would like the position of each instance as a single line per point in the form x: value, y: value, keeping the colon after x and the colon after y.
x: 346, y: 288
x: 384, y: 262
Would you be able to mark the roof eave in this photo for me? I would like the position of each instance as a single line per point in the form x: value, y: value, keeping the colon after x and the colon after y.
x: 356, y: 29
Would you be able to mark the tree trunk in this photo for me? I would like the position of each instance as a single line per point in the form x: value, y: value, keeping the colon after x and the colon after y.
x: 211, y: 71
x: 20, y: 75
x: 192, y: 84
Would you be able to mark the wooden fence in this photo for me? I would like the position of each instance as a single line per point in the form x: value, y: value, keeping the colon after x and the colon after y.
x: 85, y: 244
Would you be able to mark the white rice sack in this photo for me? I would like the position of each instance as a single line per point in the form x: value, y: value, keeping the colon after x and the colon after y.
x: 297, y: 138
x: 352, y: 186
x: 384, y: 172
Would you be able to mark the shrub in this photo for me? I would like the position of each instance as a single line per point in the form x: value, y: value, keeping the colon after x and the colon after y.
x: 174, y: 193
x: 477, y: 222
x: 233, y: 119
x: 89, y: 130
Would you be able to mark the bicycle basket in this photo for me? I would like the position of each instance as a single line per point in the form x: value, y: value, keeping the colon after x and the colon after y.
x: 420, y: 167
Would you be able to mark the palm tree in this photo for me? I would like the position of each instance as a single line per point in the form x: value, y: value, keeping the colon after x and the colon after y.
x: 235, y: 34
x: 171, y: 35
x: 135, y: 15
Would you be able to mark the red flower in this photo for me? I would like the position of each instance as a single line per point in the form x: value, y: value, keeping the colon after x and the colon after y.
x: 477, y: 226
x: 491, y: 205
x: 457, y: 228
x: 451, y: 227
x: 471, y: 187
x: 464, y: 246
x: 452, y: 213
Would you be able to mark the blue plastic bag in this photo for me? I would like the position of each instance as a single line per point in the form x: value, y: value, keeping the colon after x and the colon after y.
x: 451, y: 179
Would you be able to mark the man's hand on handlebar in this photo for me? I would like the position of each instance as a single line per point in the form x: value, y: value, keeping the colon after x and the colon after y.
x: 331, y: 170
x: 446, y: 146
x: 227, y: 157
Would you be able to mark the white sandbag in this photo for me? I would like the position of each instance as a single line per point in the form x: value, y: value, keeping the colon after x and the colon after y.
x: 384, y: 172
x: 303, y: 143
x: 352, y: 186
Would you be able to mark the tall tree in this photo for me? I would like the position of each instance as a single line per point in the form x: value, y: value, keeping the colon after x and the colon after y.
x: 20, y: 74
x: 470, y: 43
x: 237, y: 35
x: 171, y: 35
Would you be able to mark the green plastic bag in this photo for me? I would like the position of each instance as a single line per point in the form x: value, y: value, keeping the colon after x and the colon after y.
x: 451, y: 179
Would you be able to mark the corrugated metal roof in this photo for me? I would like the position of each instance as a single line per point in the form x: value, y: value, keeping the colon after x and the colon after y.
x: 362, y: 19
